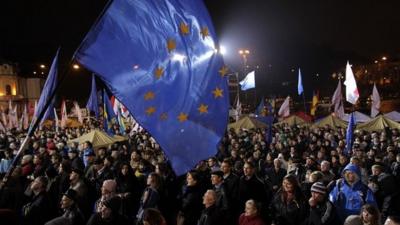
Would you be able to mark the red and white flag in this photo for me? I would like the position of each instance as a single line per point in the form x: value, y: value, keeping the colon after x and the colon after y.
x: 352, y: 93
x: 284, y: 110
x: 64, y: 115
x: 376, y: 102
x: 118, y: 105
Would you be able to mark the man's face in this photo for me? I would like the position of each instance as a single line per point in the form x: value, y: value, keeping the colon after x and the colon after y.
x: 225, y: 168
x: 66, y: 202
x: 247, y: 170
x: 215, y: 179
x: 208, y: 198
x: 350, y: 176
x: 317, y: 196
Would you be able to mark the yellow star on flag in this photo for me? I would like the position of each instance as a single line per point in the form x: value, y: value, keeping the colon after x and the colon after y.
x: 164, y: 116
x: 182, y: 117
x: 203, y: 108
x: 218, y: 93
x: 150, y: 111
x: 149, y: 95
x: 223, y: 71
x: 171, y: 45
x: 159, y: 72
x: 184, y: 28
x: 204, y: 32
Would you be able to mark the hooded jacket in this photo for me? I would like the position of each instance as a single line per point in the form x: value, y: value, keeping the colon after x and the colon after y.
x: 349, y: 199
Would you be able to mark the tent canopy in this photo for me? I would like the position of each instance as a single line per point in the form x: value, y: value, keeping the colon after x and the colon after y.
x: 97, y: 138
x: 358, y: 116
x: 292, y: 120
x: 379, y: 123
x: 247, y: 123
x: 331, y: 121
x: 393, y: 115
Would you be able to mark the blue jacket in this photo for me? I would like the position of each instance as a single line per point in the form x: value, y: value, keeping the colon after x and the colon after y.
x: 349, y: 199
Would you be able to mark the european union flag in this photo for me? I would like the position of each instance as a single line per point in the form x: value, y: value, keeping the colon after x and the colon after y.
x: 92, y: 103
x: 349, y: 134
x: 48, y: 89
x: 159, y: 58
x: 260, y: 111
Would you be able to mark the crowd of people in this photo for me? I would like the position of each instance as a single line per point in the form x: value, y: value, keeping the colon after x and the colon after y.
x: 303, y: 176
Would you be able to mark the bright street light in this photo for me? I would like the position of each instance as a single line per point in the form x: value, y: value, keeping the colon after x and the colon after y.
x: 75, y: 66
x: 42, y: 66
x: 222, y: 50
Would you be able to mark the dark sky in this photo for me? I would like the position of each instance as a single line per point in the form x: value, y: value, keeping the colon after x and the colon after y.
x: 317, y: 35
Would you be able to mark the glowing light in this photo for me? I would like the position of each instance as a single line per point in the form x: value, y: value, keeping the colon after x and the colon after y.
x: 384, y: 58
x: 136, y: 67
x: 42, y: 66
x: 222, y: 50
x: 76, y: 66
x: 14, y: 90
x: 178, y: 57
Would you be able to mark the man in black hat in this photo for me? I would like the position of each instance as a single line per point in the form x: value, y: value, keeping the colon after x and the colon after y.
x: 322, y: 211
x: 72, y: 214
x: 109, y: 214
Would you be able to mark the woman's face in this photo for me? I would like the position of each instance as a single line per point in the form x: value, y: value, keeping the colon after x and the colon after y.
x: 287, y: 186
x: 189, y: 180
x: 366, y: 216
x: 124, y: 170
x: 250, y: 209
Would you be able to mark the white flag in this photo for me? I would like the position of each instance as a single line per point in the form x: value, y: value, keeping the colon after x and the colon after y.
x: 337, y: 101
x: 25, y: 120
x: 284, y: 110
x: 376, y: 102
x: 238, y: 110
x: 56, y: 120
x: 248, y: 82
x: 78, y: 112
x: 352, y: 93
x: 64, y: 115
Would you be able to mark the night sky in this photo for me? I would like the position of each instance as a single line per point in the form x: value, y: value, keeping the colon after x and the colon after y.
x: 318, y: 36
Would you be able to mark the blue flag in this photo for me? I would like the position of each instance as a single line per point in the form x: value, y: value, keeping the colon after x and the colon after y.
x: 300, y: 89
x: 121, y: 123
x: 48, y: 89
x: 159, y: 58
x: 92, y: 103
x: 260, y: 111
x: 108, y: 114
x: 349, y: 134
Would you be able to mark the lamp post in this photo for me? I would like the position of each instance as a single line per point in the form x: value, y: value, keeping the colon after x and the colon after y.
x: 244, y: 54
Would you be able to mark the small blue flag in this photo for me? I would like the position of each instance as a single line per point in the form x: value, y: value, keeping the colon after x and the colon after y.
x: 48, y: 89
x: 108, y: 114
x: 248, y: 82
x: 159, y: 58
x: 260, y: 111
x: 349, y: 134
x: 300, y: 89
x: 121, y: 123
x: 93, y: 104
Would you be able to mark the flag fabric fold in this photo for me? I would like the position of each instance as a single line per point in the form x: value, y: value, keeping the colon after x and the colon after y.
x: 314, y: 103
x: 158, y: 58
x: 376, y: 102
x: 352, y: 93
x: 64, y: 115
x: 248, y: 82
x: 108, y: 114
x: 260, y: 111
x: 300, y: 89
x: 349, y: 134
x: 337, y: 101
x: 238, y: 110
x: 47, y: 91
x: 284, y: 110
x: 78, y: 112
x: 92, y: 103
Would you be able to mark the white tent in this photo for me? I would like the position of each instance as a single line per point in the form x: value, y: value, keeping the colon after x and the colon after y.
x: 393, y: 115
x: 358, y: 116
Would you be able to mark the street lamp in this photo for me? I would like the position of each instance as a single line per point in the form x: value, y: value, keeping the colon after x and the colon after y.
x: 244, y: 53
x: 75, y: 67
x: 42, y: 66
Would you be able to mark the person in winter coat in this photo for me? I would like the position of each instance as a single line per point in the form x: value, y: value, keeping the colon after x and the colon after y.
x: 288, y: 206
x: 322, y: 211
x: 349, y: 193
x: 151, y: 195
x: 72, y: 214
x: 251, y: 215
x: 190, y: 208
x: 109, y: 214
x: 211, y: 215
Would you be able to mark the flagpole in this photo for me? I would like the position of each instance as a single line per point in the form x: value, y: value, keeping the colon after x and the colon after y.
x: 32, y: 129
